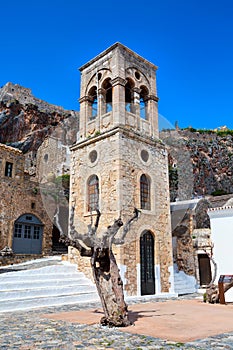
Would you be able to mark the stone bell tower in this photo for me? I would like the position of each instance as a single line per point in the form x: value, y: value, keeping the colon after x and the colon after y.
x: 118, y: 88
x: 119, y: 163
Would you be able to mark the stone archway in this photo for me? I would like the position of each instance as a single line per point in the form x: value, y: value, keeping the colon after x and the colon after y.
x: 28, y: 235
x: 147, y: 263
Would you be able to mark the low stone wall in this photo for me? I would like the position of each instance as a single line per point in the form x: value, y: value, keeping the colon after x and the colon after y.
x: 83, y: 263
x: 17, y: 259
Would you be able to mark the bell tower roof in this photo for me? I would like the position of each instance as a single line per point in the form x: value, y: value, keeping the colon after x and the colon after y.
x: 112, y: 48
x: 118, y: 89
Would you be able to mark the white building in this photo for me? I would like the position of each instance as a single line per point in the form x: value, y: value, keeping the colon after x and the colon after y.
x: 221, y: 221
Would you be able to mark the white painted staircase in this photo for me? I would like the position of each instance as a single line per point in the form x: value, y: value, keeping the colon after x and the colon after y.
x: 43, y: 283
x: 183, y: 283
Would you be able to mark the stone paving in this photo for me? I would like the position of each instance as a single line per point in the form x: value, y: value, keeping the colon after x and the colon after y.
x: 31, y: 330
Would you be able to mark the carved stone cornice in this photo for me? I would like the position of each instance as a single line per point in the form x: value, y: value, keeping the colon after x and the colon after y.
x: 152, y: 97
x: 118, y: 81
x: 101, y: 91
x: 85, y: 99
x: 137, y: 90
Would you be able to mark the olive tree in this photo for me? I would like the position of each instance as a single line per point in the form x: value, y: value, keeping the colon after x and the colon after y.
x: 103, y: 263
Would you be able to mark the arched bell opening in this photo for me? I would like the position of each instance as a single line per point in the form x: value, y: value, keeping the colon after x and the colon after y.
x: 129, y: 96
x: 93, y: 103
x: 143, y: 102
x: 107, y: 88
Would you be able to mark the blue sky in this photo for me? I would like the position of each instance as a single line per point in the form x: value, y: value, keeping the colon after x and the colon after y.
x: 43, y: 43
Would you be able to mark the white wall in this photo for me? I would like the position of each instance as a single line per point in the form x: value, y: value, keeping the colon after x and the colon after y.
x: 221, y: 220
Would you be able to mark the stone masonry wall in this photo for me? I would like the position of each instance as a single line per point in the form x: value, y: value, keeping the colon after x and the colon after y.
x: 83, y: 263
x: 185, y: 255
x: 119, y: 170
x: 21, y: 196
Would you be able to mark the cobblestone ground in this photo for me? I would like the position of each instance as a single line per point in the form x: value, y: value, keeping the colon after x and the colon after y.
x: 28, y: 330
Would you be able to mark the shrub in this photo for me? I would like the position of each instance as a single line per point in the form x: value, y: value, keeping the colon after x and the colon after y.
x: 63, y: 180
x: 218, y: 193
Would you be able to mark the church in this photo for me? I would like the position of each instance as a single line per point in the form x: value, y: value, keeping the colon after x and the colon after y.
x: 119, y: 163
x: 116, y: 163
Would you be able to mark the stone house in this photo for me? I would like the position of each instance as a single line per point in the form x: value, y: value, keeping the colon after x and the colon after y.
x: 52, y: 172
x: 200, y: 229
x: 200, y: 169
x: 119, y: 163
x: 192, y: 246
x: 24, y: 224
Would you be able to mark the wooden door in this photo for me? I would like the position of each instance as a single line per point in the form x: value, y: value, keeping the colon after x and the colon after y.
x: 204, y: 269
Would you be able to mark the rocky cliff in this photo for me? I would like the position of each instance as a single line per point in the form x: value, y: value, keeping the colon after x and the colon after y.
x: 25, y: 120
x: 200, y: 162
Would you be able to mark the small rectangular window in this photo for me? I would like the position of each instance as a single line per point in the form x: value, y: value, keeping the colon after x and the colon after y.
x: 33, y: 205
x: 93, y: 193
x: 8, y: 169
x: 36, y: 234
x: 145, y: 192
x: 18, y: 230
x: 28, y: 217
x: 27, y: 231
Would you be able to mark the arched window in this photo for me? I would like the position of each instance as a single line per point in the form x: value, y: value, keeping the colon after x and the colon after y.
x: 107, y: 86
x: 145, y: 192
x: 93, y: 193
x: 129, y: 102
x: 143, y: 102
x: 94, y: 102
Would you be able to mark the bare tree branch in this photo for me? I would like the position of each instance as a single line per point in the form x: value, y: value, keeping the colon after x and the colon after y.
x: 126, y: 228
x: 215, y: 268
x: 97, y: 219
x: 108, y: 236
x: 92, y: 229
x: 56, y: 219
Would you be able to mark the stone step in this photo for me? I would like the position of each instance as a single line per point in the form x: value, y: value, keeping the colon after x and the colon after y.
x: 24, y: 277
x: 184, y: 284
x: 32, y: 269
x: 44, y: 283
x: 45, y: 292
x: 181, y: 282
x: 33, y: 303
x: 21, y: 285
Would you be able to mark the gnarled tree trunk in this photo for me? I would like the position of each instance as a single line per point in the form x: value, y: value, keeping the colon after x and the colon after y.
x: 110, y: 288
x: 104, y: 266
